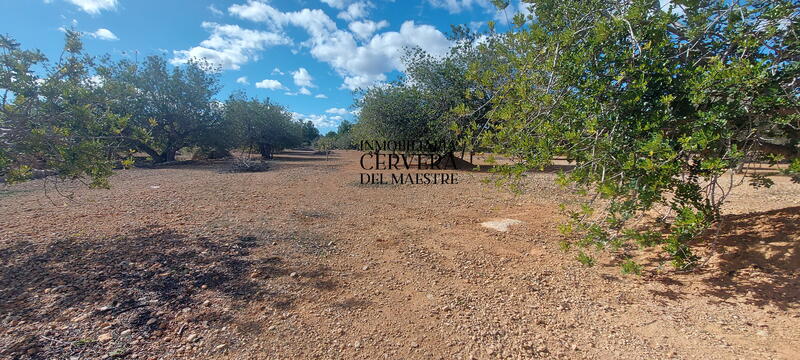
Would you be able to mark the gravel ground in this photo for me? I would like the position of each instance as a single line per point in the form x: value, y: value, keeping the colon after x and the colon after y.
x: 302, y: 261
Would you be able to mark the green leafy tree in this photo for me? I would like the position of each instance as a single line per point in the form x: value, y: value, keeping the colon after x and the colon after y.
x: 310, y: 132
x: 434, y: 102
x: 263, y: 125
x: 657, y: 107
x: 58, y: 123
x: 169, y: 108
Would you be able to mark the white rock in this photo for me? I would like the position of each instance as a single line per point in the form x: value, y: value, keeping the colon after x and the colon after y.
x: 501, y: 224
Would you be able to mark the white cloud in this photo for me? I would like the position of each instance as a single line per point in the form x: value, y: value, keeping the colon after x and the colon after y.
x: 338, y: 4
x: 321, y: 96
x: 215, y: 11
x: 94, y: 7
x: 359, y: 65
x: 104, y: 34
x: 230, y: 46
x: 270, y: 84
x: 302, y: 91
x: 316, y: 22
x: 303, y: 78
x: 95, y: 81
x: 365, y: 65
x: 277, y: 71
x: 354, y: 11
x: 339, y: 111
x: 501, y: 16
x: 320, y: 121
x: 364, y: 29
x: 457, y: 6
x: 243, y: 80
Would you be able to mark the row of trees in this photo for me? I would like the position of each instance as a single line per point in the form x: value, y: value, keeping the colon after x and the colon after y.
x: 658, y: 107
x: 342, y: 138
x: 435, y: 101
x: 79, y: 117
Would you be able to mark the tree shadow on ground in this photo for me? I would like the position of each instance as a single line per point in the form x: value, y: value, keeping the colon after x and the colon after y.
x: 759, y: 258
x: 296, y: 155
x: 39, y: 281
x: 164, y: 265
x: 133, y: 279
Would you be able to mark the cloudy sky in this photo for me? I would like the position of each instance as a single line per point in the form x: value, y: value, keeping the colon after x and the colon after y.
x: 308, y: 55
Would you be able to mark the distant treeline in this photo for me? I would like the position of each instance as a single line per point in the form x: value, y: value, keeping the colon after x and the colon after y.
x: 81, y: 116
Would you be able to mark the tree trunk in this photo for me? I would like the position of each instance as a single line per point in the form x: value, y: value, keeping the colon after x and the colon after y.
x: 168, y: 155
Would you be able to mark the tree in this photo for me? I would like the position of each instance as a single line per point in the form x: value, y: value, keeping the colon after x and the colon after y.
x: 656, y: 107
x: 434, y: 102
x: 393, y: 112
x: 310, y: 132
x: 263, y: 125
x: 59, y: 123
x: 169, y: 108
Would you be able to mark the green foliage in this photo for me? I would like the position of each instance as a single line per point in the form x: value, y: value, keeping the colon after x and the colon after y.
x: 631, y: 267
x: 655, y: 107
x: 340, y: 139
x: 169, y: 108
x: 435, y: 102
x: 77, y: 119
x: 585, y: 259
x: 310, y: 132
x: 253, y: 123
x: 58, y: 123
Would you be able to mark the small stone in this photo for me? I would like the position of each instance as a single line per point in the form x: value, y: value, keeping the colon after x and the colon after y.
x: 207, y: 303
x: 365, y: 268
x: 104, y: 337
x: 126, y: 332
x: 192, y: 338
x: 219, y: 347
x: 80, y: 318
x: 293, y: 274
x: 150, y: 321
x: 330, y: 243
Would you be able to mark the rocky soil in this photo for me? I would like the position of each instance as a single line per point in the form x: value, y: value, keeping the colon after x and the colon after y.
x: 302, y: 261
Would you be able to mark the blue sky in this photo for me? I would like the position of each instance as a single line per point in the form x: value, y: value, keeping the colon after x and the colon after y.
x: 307, y: 55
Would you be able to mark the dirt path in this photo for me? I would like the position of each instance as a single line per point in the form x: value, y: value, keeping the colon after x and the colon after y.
x: 304, y: 262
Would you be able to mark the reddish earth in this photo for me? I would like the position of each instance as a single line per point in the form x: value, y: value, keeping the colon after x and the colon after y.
x: 302, y: 261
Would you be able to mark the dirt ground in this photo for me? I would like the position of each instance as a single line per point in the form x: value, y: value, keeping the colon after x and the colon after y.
x: 302, y: 261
